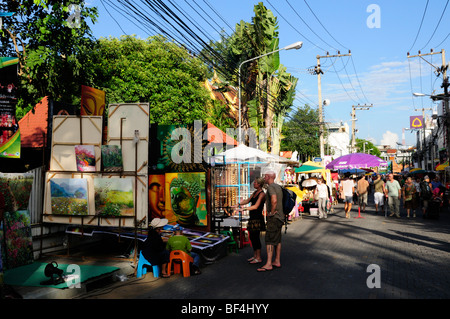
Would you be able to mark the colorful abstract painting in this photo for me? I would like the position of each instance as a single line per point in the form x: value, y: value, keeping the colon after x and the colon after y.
x: 114, y: 196
x: 112, y: 158
x: 186, y: 198
x: 69, y: 196
x: 85, y: 157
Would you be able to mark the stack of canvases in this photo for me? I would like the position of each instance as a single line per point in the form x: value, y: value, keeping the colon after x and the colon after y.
x: 99, y: 185
x: 16, y: 247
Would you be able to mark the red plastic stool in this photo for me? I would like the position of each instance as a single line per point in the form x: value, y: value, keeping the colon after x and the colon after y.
x: 242, y: 240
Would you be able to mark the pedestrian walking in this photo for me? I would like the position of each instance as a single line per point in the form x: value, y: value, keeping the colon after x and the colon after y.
x: 378, y: 196
x: 408, y: 193
x: 275, y: 221
x: 256, y: 222
x: 347, y: 188
x: 362, y: 190
x: 323, y: 194
x: 393, y: 192
x: 426, y: 193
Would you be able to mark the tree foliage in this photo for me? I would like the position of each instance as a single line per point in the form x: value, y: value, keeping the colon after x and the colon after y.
x: 267, y: 89
x: 368, y: 148
x: 51, y: 44
x: 301, y: 133
x: 153, y: 70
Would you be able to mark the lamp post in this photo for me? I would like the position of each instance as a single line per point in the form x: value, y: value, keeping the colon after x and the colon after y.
x: 296, y: 46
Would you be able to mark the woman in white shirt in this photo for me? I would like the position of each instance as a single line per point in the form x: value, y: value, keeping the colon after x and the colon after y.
x: 322, y: 193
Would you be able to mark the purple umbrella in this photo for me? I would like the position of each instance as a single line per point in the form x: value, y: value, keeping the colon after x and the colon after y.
x: 356, y: 160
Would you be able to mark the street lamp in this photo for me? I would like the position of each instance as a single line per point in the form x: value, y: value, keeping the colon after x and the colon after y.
x: 296, y: 46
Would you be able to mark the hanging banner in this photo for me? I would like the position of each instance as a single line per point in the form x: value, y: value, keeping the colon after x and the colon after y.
x: 9, y: 127
x: 92, y: 101
x: 416, y: 122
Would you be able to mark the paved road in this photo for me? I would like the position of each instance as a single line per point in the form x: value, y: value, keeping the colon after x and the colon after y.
x: 323, y: 259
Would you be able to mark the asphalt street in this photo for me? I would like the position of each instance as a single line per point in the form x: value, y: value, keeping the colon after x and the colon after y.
x: 373, y: 257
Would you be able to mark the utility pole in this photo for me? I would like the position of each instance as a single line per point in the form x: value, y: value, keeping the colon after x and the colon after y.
x: 353, y: 114
x: 318, y: 71
x: 445, y: 84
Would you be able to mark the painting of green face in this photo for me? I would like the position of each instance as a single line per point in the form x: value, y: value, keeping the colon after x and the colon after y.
x: 184, y: 197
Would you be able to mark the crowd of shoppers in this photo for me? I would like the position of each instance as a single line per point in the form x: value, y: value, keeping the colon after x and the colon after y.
x: 397, y: 194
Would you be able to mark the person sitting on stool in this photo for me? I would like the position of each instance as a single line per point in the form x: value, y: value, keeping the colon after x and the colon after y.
x: 180, y: 242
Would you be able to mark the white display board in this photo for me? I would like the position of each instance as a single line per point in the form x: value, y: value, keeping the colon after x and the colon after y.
x: 123, y: 122
x: 69, y: 131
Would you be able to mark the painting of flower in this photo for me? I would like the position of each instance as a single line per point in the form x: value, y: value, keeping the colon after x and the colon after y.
x: 69, y: 196
x: 85, y: 157
x: 114, y: 197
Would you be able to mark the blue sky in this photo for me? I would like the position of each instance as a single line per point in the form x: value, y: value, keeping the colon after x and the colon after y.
x: 378, y: 71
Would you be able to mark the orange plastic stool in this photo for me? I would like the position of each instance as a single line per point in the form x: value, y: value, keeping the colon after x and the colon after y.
x: 178, y: 259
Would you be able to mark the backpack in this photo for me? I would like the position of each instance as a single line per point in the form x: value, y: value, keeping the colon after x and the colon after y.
x: 289, y: 201
x: 425, y: 190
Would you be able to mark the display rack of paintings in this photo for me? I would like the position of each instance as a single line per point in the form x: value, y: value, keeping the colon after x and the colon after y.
x: 99, y: 185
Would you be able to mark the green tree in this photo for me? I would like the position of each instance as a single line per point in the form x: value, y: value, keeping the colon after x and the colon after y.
x: 367, y: 146
x: 153, y: 70
x: 51, y: 44
x: 267, y: 90
x: 301, y: 133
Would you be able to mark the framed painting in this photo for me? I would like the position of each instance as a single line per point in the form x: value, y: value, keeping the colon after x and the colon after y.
x: 186, y: 198
x: 112, y: 158
x: 69, y: 196
x: 85, y: 157
x: 114, y: 196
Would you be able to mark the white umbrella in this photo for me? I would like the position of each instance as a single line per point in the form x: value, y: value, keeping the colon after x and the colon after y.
x: 309, y: 182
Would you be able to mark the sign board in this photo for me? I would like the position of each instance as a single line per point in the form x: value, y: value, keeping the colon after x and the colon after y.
x: 416, y: 122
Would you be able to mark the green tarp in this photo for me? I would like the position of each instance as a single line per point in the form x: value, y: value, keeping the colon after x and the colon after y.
x: 32, y: 275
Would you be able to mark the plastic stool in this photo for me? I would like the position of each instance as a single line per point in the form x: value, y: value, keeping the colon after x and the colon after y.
x: 178, y: 259
x: 141, y: 270
x: 242, y: 239
x: 231, y: 242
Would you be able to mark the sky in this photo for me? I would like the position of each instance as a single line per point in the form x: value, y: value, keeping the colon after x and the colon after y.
x: 377, y: 33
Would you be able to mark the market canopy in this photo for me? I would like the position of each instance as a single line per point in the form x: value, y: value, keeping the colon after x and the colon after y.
x: 243, y: 153
x: 309, y: 167
x: 441, y: 167
x: 356, y: 160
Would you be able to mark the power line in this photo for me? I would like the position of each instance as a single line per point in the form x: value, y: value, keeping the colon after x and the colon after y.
x: 420, y: 27
x: 323, y: 25
x: 439, y: 22
x: 306, y: 38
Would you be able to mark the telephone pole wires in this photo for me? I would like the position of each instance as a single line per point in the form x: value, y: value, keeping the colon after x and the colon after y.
x: 318, y: 71
x: 353, y: 114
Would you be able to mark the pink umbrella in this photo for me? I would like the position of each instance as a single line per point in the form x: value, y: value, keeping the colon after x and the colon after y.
x: 356, y: 160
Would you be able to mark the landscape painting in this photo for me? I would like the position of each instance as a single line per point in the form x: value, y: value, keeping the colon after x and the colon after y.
x: 114, y: 196
x: 69, y: 196
x: 112, y: 158
x: 85, y: 156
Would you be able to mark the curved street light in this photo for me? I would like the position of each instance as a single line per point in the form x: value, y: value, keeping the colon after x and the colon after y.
x: 296, y: 46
